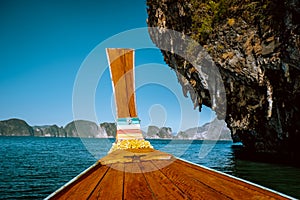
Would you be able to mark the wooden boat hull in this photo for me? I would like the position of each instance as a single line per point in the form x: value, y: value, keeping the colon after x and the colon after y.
x: 145, y: 173
x: 151, y: 174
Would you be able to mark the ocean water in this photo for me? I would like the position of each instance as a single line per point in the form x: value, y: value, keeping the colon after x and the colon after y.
x: 33, y: 168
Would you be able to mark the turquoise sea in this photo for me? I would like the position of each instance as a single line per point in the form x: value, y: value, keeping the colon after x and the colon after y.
x: 33, y: 167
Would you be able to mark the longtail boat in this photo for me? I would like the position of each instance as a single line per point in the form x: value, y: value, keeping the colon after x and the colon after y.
x: 134, y: 170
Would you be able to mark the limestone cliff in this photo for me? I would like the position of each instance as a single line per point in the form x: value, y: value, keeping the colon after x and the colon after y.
x: 256, y: 48
x: 49, y: 131
x: 15, y: 127
x: 154, y: 132
x: 85, y: 129
x: 206, y: 132
x: 88, y: 129
x: 110, y: 129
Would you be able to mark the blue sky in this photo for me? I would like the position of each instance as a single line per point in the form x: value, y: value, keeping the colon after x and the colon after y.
x: 43, y: 45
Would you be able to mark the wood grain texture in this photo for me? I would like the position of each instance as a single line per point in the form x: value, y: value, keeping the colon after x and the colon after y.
x: 151, y: 174
x: 135, y: 184
x: 121, y: 67
x: 161, y: 186
x: 111, y: 186
x: 81, y: 186
x: 189, y: 185
x: 133, y: 154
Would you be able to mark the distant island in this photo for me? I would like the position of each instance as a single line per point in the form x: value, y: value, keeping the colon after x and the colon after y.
x: 88, y: 129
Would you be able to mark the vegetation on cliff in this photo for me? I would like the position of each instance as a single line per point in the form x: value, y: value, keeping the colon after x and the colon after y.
x: 154, y: 132
x: 83, y: 128
x: 256, y: 47
x: 208, y: 14
x: 88, y: 129
x: 110, y: 129
x: 15, y: 127
x: 49, y: 131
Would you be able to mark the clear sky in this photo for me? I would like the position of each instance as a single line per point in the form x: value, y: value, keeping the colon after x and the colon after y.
x: 43, y: 45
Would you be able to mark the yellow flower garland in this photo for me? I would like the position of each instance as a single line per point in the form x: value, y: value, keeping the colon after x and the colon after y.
x: 130, y: 144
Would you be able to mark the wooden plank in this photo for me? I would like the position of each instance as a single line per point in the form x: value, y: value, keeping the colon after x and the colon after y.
x: 121, y: 68
x: 129, y: 77
x: 117, y: 156
x: 126, y: 156
x: 135, y: 184
x: 160, y: 185
x: 230, y: 187
x: 119, y: 83
x: 151, y: 174
x: 157, y: 155
x: 84, y: 185
x: 187, y: 184
x: 111, y: 186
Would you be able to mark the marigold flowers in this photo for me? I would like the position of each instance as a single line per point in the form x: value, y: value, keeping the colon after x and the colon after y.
x: 130, y: 144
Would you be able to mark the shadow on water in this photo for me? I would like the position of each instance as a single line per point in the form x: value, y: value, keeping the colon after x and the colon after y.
x: 277, y: 173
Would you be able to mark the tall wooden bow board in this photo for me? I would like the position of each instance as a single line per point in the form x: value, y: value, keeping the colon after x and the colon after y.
x: 121, y: 65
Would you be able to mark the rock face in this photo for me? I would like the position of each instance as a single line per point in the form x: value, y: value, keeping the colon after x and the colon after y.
x: 110, y: 129
x: 154, y: 132
x: 78, y: 128
x: 83, y: 128
x: 49, y: 131
x: 88, y: 129
x: 256, y: 48
x: 15, y: 127
x: 206, y: 132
